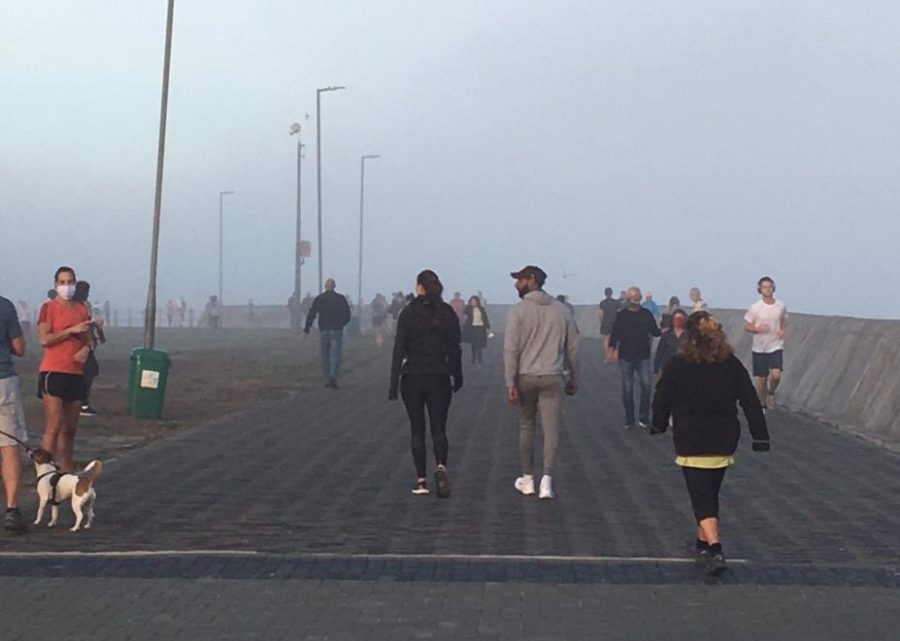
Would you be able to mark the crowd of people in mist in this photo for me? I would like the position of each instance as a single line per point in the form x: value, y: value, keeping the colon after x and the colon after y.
x: 699, y: 380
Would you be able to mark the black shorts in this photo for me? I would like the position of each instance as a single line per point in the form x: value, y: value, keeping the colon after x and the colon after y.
x: 68, y: 387
x: 763, y: 363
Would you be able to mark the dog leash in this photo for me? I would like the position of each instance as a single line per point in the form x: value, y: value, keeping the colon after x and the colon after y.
x: 19, y: 441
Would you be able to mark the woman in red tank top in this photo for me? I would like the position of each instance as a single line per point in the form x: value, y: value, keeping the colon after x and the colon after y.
x: 64, y: 331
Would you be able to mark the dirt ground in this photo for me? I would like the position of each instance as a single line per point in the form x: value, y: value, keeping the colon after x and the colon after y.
x: 212, y: 374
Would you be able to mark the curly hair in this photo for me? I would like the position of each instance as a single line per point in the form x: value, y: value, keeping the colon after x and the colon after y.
x: 704, y: 341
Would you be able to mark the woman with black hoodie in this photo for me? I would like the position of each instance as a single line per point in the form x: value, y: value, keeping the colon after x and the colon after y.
x: 699, y: 389
x: 428, y: 356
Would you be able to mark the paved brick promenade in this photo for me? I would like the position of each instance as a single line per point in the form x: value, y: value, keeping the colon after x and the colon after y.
x: 294, y: 520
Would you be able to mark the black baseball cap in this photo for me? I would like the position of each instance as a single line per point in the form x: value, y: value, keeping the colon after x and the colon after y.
x: 531, y: 271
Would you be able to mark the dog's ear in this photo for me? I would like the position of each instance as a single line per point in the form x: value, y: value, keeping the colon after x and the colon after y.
x: 41, y: 457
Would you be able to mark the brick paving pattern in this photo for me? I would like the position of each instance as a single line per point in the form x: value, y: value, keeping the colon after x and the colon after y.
x: 307, y: 502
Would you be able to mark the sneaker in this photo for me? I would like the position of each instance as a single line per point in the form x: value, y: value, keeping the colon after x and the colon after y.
x: 442, y: 483
x: 546, y: 488
x: 525, y: 484
x: 629, y: 426
x: 13, y: 522
x: 421, y: 488
x: 87, y: 410
x: 642, y: 424
x: 715, y: 564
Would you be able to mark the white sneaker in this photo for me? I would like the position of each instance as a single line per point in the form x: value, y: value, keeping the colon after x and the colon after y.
x: 525, y: 484
x: 546, y: 488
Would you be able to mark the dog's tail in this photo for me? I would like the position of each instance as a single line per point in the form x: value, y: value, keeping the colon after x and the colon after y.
x: 87, y: 476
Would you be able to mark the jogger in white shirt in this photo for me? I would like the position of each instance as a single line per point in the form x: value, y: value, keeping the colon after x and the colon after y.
x: 766, y: 320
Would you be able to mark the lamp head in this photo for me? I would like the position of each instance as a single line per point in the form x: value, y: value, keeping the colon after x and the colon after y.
x: 295, y: 128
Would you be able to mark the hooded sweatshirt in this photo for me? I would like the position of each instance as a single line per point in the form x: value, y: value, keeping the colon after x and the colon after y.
x: 540, y: 339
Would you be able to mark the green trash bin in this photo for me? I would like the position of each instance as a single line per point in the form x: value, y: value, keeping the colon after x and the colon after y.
x: 147, y: 378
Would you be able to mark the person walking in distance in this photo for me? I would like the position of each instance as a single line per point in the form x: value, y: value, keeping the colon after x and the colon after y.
x: 669, y: 342
x: 428, y: 358
x: 699, y: 305
x: 541, y: 342
x: 459, y: 306
x: 666, y: 320
x: 12, y: 413
x: 766, y: 320
x: 629, y: 345
x: 64, y: 331
x: 650, y: 305
x: 476, y: 326
x: 606, y: 314
x: 379, y: 308
x: 698, y: 391
x: 333, y: 313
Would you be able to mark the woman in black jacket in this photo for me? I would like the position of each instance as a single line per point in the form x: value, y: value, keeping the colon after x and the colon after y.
x: 428, y: 356
x: 670, y: 341
x: 698, y: 389
x: 476, y: 327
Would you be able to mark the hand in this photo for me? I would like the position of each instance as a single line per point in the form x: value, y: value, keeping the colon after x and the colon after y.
x: 512, y: 395
x: 780, y: 334
x: 81, y: 355
x: 80, y: 328
x: 612, y: 356
x: 571, y: 388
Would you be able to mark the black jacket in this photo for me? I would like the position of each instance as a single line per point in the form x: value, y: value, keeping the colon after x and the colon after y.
x: 668, y: 346
x: 631, y: 334
x: 701, y: 399
x: 427, y: 342
x: 332, y: 310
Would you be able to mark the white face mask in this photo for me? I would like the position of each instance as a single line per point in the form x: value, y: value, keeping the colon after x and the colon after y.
x: 66, y: 292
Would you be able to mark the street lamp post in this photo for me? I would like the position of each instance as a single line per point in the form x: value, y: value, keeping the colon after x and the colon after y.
x: 362, y: 199
x: 150, y: 313
x: 298, y: 258
x: 222, y: 195
x: 319, y: 172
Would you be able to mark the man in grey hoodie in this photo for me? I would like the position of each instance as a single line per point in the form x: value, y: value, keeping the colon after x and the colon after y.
x: 541, y: 343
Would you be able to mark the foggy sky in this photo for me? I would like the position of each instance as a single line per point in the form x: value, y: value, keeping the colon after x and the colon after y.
x: 663, y: 144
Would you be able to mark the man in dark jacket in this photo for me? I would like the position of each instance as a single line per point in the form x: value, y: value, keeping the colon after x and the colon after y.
x: 629, y: 345
x: 333, y: 313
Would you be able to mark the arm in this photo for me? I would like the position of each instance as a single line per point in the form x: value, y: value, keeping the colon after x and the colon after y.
x: 48, y: 339
x: 453, y: 349
x: 572, y: 338
x: 17, y: 346
x: 654, y: 328
x: 484, y: 316
x: 749, y: 401
x: 662, y: 402
x: 346, y: 313
x: 311, y: 315
x: 399, y: 355
x: 662, y: 351
x: 511, y: 349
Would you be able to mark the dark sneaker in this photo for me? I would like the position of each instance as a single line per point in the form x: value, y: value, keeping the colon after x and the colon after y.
x: 421, y: 488
x: 442, y: 483
x: 87, y: 410
x: 13, y: 522
x: 702, y: 556
x: 716, y: 565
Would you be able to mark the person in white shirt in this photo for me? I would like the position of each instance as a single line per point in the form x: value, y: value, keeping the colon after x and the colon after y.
x: 766, y: 320
x: 699, y: 305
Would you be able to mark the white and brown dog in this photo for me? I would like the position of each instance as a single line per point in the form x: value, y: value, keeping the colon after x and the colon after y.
x: 54, y: 487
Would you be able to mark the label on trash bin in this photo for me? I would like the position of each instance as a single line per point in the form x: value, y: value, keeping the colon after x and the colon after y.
x: 149, y: 379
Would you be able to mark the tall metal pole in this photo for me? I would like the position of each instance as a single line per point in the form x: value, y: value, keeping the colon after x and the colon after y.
x: 362, y: 199
x: 150, y: 313
x: 298, y: 259
x: 222, y: 195
x: 319, y: 174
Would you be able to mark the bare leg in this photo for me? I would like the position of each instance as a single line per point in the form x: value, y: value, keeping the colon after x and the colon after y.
x: 12, y: 473
x: 762, y: 389
x: 708, y: 530
x: 65, y: 440
x: 774, y: 381
x: 53, y: 423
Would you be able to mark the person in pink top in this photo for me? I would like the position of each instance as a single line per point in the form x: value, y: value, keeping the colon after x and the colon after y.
x: 459, y: 306
x: 64, y: 331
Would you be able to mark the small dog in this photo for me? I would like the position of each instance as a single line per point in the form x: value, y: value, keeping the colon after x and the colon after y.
x: 54, y: 486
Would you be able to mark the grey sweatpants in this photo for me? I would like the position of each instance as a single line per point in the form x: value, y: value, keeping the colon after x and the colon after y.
x: 544, y: 394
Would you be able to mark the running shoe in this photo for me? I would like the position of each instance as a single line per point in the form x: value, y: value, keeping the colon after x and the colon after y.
x: 442, y: 483
x: 715, y: 564
x: 87, y: 410
x: 642, y: 424
x: 421, y: 488
x: 525, y: 484
x: 546, y: 488
x: 13, y: 522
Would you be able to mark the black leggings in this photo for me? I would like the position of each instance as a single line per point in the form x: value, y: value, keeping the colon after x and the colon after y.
x: 703, y: 487
x: 432, y: 391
